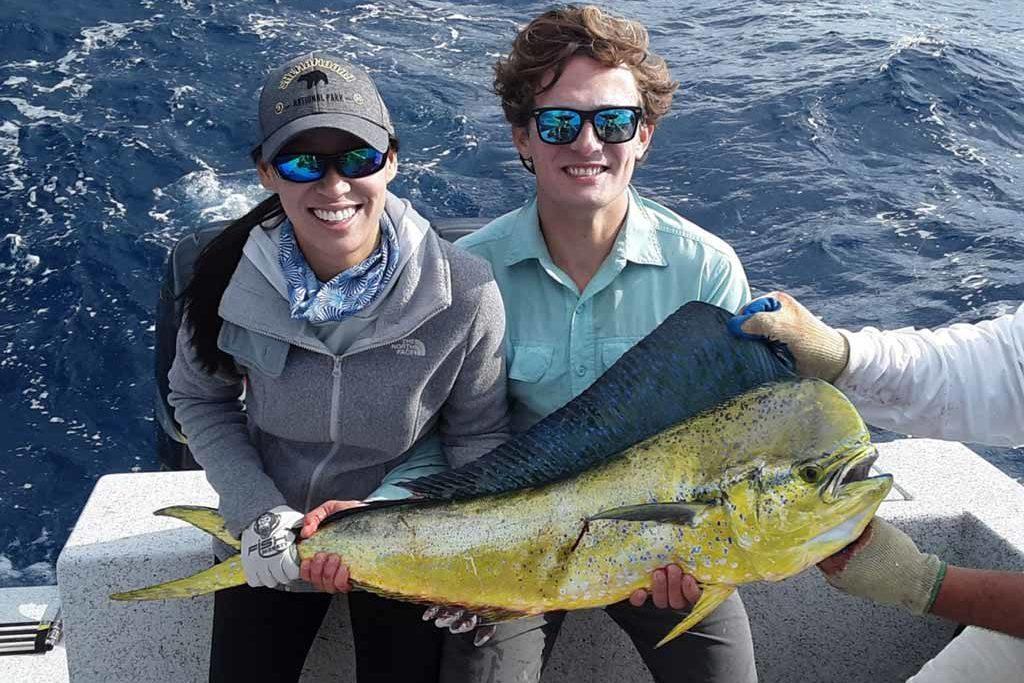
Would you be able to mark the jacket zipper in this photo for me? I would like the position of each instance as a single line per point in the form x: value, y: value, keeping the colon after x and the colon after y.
x: 334, y: 433
x: 336, y: 386
x: 335, y: 399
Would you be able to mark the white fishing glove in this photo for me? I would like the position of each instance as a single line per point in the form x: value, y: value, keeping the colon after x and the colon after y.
x: 819, y: 350
x: 269, y: 555
x: 889, y: 569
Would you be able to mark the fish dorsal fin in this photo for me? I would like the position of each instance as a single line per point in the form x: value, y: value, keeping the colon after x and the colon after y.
x: 670, y: 513
x: 688, y: 364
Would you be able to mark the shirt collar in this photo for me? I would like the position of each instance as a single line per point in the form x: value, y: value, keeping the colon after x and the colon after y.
x: 527, y: 240
x: 641, y: 234
x: 636, y: 242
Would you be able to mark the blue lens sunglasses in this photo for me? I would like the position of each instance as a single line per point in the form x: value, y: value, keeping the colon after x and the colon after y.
x: 561, y: 125
x: 308, y: 167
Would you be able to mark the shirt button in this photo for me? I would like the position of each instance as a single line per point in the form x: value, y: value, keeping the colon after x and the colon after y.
x: 581, y: 370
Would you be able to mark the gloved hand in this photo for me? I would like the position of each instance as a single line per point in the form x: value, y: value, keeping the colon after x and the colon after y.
x: 885, y: 566
x: 458, y: 620
x: 269, y: 556
x: 819, y: 350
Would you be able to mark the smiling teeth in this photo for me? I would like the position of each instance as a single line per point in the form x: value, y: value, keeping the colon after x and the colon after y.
x: 334, y: 216
x: 582, y: 171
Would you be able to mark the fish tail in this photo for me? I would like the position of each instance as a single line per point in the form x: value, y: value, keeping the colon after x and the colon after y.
x: 206, y: 519
x: 711, y: 597
x: 227, y: 574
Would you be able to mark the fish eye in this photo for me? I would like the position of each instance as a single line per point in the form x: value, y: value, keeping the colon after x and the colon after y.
x: 812, y: 474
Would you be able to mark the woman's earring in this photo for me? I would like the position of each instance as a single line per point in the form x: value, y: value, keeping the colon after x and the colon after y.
x: 527, y: 164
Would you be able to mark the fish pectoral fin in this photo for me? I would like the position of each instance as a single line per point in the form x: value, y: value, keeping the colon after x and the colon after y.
x: 710, y: 598
x: 206, y: 519
x: 227, y: 574
x: 671, y: 513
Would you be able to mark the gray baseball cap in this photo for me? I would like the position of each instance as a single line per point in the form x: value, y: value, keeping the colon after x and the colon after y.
x: 320, y: 90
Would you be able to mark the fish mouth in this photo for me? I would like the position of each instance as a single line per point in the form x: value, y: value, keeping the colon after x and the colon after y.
x: 857, y: 468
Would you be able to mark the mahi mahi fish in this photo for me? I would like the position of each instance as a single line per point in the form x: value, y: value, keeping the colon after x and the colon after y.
x: 695, y: 448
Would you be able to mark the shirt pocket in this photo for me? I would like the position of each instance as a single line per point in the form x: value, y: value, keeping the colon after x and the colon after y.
x: 530, y: 362
x: 612, y: 350
x: 251, y: 350
x: 538, y: 382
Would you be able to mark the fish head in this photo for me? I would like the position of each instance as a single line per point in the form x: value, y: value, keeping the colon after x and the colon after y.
x: 809, y: 491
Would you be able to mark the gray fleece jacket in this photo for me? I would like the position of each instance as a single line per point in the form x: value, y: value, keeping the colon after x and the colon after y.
x: 318, y: 426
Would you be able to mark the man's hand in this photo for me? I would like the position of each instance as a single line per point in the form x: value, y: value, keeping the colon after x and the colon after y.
x: 670, y: 587
x: 885, y: 566
x: 819, y: 350
x: 326, y: 572
x: 457, y: 621
x: 269, y: 556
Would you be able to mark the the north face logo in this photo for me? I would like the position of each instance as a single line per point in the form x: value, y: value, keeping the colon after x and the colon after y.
x: 313, y: 77
x: 409, y: 347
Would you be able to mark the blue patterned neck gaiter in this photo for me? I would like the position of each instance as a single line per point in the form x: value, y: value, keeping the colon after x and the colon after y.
x: 348, y: 292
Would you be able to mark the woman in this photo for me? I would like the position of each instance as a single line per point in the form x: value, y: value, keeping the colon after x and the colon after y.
x: 587, y: 267
x: 360, y: 339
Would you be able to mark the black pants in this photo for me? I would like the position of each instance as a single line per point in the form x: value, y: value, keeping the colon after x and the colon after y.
x: 260, y: 634
x: 719, y: 649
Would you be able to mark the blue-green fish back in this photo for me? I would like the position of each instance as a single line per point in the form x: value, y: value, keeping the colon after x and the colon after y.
x: 688, y: 364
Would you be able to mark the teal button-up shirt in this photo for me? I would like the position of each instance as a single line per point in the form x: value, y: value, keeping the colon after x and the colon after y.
x: 559, y: 340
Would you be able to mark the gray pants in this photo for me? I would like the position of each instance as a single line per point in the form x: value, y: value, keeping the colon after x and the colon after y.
x: 520, y: 649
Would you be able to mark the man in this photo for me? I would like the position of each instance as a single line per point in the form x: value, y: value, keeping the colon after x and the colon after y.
x: 587, y: 268
x: 964, y: 382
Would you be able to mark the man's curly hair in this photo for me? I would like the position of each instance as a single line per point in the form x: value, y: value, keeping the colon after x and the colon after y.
x: 548, y: 42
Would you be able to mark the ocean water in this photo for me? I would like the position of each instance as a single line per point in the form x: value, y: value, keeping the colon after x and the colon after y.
x: 867, y: 157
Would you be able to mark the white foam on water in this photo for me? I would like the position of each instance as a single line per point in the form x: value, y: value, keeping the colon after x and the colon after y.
x: 178, y: 94
x: 27, y: 64
x: 919, y: 41
x: 36, y: 572
x: 38, y: 114
x: 220, y: 198
x: 15, y: 80
x: 104, y: 35
x: 116, y: 209
x: 974, y: 281
x: 9, y: 180
x: 266, y: 27
x: 9, y: 132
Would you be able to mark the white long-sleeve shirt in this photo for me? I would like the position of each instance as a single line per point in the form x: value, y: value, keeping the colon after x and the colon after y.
x: 963, y: 382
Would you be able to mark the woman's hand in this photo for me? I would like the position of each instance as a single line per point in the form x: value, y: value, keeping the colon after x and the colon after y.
x: 326, y: 572
x: 670, y: 587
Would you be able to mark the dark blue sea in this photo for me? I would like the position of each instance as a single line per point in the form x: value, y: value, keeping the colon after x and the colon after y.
x: 868, y: 157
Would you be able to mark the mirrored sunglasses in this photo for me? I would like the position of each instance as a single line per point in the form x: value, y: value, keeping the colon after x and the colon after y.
x: 308, y: 167
x: 561, y: 125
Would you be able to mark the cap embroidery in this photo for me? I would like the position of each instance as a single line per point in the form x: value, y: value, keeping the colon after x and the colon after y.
x: 311, y: 64
x: 313, y: 77
x: 327, y: 97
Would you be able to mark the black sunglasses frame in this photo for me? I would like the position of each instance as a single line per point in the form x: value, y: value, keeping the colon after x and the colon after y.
x: 585, y: 116
x: 324, y: 160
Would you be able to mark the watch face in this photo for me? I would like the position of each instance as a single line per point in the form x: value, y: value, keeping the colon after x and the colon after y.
x: 266, y: 523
